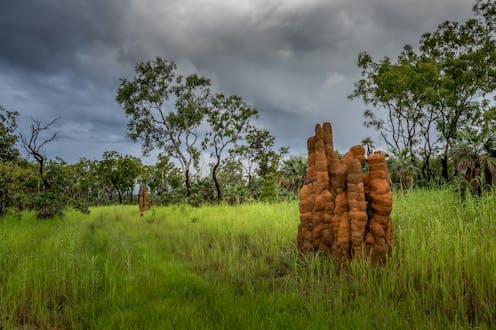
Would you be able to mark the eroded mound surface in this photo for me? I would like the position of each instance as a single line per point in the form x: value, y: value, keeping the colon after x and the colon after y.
x: 345, y: 211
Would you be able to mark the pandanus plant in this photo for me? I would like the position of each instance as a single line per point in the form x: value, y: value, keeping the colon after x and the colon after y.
x: 475, y: 155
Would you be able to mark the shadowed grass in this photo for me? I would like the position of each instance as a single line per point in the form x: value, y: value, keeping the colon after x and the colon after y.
x: 237, y: 267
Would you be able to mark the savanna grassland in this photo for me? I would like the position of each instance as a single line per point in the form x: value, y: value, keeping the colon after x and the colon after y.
x: 236, y: 267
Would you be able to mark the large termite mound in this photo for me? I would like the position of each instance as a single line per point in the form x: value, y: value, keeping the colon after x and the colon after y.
x: 143, y: 201
x: 345, y: 211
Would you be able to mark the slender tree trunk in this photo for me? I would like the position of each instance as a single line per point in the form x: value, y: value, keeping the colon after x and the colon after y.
x: 216, y: 181
x: 46, y: 183
x: 187, y: 182
x: 426, y: 169
x: 120, y: 196
x: 444, y: 161
x: 444, y: 164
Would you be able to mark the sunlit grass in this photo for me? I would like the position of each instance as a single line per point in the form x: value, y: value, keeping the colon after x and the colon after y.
x: 237, y: 267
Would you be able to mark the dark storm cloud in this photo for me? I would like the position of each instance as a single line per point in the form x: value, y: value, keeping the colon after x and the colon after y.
x: 294, y: 60
x: 49, y: 36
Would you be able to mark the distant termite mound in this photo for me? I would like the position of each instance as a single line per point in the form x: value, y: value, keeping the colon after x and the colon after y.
x: 345, y: 211
x: 144, y: 203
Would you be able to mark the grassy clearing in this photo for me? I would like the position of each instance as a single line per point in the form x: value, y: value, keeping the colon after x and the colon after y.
x: 237, y: 267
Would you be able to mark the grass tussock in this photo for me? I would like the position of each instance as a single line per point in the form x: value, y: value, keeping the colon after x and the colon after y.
x: 237, y: 267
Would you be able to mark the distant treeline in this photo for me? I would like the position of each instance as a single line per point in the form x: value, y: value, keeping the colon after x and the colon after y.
x: 434, y: 109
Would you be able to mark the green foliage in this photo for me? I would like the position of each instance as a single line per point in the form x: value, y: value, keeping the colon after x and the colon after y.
x: 119, y: 173
x: 12, y: 174
x: 232, y: 173
x: 8, y: 138
x: 292, y: 173
x: 49, y: 198
x: 237, y: 267
x: 475, y: 155
x: 402, y: 170
x: 202, y: 192
x: 422, y: 100
x: 229, y: 122
x: 269, y: 191
x: 162, y: 177
x: 258, y: 155
x: 237, y: 194
x: 17, y: 179
x: 84, y: 183
x: 165, y: 110
x: 55, y: 198
x: 404, y: 90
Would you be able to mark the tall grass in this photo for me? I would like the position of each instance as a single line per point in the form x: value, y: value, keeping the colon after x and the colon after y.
x: 237, y: 267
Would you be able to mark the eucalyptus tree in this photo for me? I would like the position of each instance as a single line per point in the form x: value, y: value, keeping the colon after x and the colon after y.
x: 259, y: 154
x: 165, y: 111
x: 260, y: 160
x: 228, y: 122
x: 422, y: 100
x: 466, y: 57
x: 403, y: 94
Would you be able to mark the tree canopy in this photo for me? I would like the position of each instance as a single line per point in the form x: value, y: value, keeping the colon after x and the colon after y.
x: 421, y: 100
x: 229, y: 121
x: 8, y: 138
x: 165, y: 110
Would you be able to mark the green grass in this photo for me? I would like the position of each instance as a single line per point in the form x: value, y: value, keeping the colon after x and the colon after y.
x: 219, y: 267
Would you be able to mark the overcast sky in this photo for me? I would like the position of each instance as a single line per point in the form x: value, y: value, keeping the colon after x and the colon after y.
x: 294, y: 60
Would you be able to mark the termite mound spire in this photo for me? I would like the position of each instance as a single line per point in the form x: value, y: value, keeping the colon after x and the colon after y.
x: 345, y: 211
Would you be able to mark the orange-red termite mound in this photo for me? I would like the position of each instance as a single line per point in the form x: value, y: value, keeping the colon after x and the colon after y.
x: 345, y: 211
x: 143, y: 201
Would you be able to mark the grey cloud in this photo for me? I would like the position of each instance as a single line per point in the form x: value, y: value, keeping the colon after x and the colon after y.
x: 295, y: 61
x: 47, y: 35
